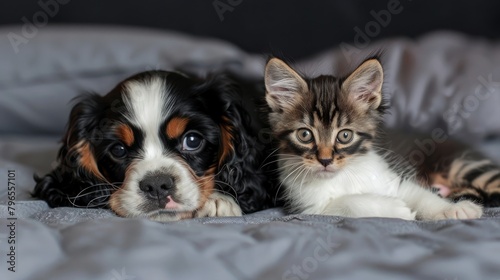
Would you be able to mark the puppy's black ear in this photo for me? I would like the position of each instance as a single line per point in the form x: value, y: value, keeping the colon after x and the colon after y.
x: 72, y: 180
x: 240, y: 159
x: 240, y: 154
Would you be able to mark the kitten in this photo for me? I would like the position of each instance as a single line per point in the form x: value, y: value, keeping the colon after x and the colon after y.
x: 328, y: 163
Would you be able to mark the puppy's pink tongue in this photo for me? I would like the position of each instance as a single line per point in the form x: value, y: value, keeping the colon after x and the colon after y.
x: 171, y: 204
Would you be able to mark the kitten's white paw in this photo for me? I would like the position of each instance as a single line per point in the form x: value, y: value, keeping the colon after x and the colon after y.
x: 219, y: 205
x: 399, y: 210
x: 369, y: 205
x: 393, y: 208
x: 461, y: 210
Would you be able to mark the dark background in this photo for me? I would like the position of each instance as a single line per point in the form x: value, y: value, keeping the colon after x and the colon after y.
x: 292, y: 27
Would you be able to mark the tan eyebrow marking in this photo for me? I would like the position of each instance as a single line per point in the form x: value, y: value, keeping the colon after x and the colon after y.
x: 125, y: 134
x: 176, y: 126
x: 87, y: 159
x: 226, y: 141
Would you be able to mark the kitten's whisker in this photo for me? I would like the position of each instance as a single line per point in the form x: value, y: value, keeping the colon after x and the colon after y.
x: 283, y: 181
x: 289, y: 155
x: 307, y: 174
x: 278, y: 160
x: 300, y: 189
x: 289, y: 164
x: 295, y: 179
x: 270, y: 154
x: 309, y: 170
x: 291, y: 159
x: 298, y: 174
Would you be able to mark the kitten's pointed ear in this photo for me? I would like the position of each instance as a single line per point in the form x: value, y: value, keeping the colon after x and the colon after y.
x: 364, y: 85
x: 283, y: 85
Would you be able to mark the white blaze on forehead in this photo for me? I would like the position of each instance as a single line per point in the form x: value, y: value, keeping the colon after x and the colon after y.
x: 148, y: 104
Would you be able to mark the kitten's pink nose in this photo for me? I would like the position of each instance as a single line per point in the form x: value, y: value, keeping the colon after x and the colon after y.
x: 325, y: 161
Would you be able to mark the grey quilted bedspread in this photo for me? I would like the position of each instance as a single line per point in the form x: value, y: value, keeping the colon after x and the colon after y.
x: 425, y: 80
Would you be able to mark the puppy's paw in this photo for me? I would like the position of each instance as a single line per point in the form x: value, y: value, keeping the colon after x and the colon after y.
x: 461, y: 210
x: 219, y: 205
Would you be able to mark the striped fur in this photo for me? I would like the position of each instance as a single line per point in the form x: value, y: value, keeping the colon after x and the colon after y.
x: 477, y: 180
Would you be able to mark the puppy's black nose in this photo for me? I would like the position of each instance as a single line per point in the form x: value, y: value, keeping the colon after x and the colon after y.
x: 157, y: 185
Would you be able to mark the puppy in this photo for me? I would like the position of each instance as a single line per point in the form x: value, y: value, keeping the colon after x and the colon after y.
x: 160, y: 145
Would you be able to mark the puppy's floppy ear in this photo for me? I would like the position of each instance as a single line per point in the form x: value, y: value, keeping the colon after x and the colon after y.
x: 77, y: 166
x: 240, y: 161
x: 240, y: 153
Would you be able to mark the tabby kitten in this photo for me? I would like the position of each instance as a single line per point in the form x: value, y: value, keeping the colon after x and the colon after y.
x: 328, y: 164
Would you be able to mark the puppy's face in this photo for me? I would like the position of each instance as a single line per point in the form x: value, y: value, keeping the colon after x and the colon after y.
x: 158, y: 138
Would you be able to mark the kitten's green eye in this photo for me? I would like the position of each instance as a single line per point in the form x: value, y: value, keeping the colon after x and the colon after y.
x: 345, y: 136
x: 305, y: 135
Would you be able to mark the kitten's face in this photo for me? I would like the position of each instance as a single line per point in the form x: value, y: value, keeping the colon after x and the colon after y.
x: 323, y: 123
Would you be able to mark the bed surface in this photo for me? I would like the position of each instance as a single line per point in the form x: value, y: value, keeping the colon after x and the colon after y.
x: 425, y: 81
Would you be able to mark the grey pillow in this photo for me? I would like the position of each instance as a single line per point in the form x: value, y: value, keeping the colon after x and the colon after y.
x: 38, y: 78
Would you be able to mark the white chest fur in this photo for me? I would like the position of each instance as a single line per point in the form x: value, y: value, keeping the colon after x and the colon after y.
x: 368, y: 174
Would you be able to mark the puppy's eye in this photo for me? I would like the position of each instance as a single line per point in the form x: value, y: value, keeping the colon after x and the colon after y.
x: 305, y: 135
x: 118, y: 151
x: 192, y: 141
x: 345, y: 136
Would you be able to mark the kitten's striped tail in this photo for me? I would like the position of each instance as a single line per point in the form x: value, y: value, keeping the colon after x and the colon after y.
x: 477, y: 180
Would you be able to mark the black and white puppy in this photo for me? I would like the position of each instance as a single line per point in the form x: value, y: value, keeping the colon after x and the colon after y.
x: 160, y: 145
